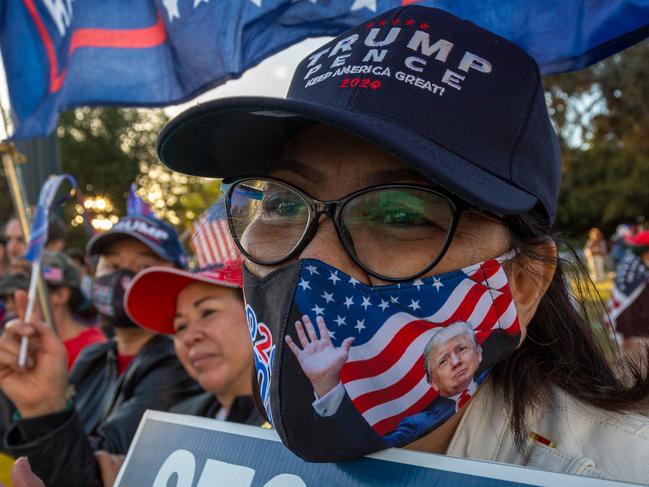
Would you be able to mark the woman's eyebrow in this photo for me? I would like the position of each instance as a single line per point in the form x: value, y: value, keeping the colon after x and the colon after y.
x: 394, y: 176
x: 301, y: 169
x: 200, y: 301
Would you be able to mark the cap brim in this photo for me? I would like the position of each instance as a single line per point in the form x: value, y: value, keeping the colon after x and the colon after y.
x: 244, y: 136
x: 151, y: 296
x: 98, y: 244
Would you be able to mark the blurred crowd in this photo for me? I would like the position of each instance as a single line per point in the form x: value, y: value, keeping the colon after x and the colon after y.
x: 180, y: 344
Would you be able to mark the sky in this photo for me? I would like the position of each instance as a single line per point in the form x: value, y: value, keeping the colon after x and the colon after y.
x: 271, y: 77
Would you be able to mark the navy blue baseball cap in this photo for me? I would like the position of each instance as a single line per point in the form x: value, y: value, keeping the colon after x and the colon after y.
x: 157, y: 235
x: 461, y: 105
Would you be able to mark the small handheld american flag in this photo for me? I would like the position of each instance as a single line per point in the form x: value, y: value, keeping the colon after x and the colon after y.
x: 212, y: 241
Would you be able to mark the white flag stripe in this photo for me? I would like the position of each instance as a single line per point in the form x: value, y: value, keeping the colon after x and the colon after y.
x: 208, y: 243
x: 216, y: 229
x: 508, y: 318
x: 214, y: 242
x: 398, y: 405
x: 498, y: 280
x: 227, y: 238
x: 215, y: 239
x: 481, y: 309
x: 205, y: 253
x: 395, y: 373
x: 384, y: 334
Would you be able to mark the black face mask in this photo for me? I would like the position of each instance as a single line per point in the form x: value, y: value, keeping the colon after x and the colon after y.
x: 406, y: 356
x: 108, y: 297
x: 307, y: 434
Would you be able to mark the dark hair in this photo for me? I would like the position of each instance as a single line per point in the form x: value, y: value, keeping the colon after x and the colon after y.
x: 55, y: 230
x: 78, y: 305
x: 561, y: 348
x: 77, y: 255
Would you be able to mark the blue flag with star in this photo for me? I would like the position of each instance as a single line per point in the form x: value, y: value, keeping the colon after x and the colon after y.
x: 60, y: 54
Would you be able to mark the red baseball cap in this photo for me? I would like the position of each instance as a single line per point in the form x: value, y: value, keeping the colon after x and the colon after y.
x: 639, y: 243
x: 151, y: 296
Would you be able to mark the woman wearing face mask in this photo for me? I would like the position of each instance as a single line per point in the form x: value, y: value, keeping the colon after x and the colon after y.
x: 408, y: 183
x: 204, y: 312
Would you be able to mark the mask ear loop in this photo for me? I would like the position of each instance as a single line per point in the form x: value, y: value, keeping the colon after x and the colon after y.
x: 509, y: 255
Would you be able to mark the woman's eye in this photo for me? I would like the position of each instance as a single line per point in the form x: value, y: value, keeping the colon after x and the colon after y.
x: 207, y: 312
x: 282, y: 205
x: 400, y: 216
x: 180, y: 328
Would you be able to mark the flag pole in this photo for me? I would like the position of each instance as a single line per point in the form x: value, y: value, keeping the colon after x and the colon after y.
x: 13, y: 173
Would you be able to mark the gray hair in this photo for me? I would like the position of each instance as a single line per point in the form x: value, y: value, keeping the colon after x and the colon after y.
x: 443, y: 334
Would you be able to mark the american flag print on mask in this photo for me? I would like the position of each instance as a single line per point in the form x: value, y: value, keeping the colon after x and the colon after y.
x: 384, y: 375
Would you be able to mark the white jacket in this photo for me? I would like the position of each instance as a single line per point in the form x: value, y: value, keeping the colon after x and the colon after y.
x: 588, y: 441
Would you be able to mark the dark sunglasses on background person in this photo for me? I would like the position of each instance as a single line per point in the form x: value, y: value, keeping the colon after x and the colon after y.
x: 394, y: 232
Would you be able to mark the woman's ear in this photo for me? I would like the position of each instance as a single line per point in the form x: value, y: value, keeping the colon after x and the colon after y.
x: 529, y: 279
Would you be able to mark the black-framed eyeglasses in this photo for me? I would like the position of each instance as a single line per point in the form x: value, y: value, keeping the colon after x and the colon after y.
x: 395, y: 232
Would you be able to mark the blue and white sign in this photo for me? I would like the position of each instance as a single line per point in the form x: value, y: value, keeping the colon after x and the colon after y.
x: 187, y: 451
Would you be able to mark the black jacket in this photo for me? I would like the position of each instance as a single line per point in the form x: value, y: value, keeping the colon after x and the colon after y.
x: 206, y: 406
x: 107, y: 410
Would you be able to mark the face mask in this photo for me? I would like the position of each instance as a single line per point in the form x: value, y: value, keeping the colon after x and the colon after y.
x: 86, y: 286
x: 108, y: 297
x: 420, y: 351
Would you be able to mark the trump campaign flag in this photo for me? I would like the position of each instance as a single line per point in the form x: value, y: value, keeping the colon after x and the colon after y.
x: 46, y: 199
x: 60, y: 54
x: 136, y: 205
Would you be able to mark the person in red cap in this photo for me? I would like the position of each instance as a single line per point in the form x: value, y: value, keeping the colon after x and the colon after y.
x: 204, y: 312
x: 639, y: 245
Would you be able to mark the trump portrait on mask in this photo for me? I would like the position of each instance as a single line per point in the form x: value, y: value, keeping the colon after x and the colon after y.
x: 451, y: 359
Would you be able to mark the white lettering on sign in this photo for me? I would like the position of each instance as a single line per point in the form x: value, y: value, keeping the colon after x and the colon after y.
x: 225, y: 473
x: 285, y: 480
x: 61, y: 13
x: 182, y: 464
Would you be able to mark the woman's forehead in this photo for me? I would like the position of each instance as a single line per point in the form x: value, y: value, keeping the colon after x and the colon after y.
x: 198, y: 292
x: 322, y: 154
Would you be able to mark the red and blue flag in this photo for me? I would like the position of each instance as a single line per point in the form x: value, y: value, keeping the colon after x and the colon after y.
x: 60, y: 54
x: 46, y: 200
x: 136, y: 206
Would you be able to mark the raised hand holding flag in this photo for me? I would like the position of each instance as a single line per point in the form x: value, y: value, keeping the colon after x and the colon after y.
x: 38, y: 238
